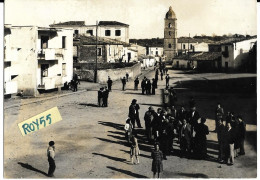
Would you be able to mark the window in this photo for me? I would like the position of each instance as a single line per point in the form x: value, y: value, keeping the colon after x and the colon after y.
x: 76, y: 32
x: 169, y: 45
x: 118, y: 32
x: 90, y: 32
x: 226, y: 48
x: 63, y: 41
x: 64, y: 69
x: 110, y: 51
x: 170, y: 33
x: 191, y: 46
x: 99, y: 51
x: 169, y: 25
x: 183, y: 46
x: 44, y: 42
x: 107, y: 32
x: 44, y: 70
x: 156, y: 52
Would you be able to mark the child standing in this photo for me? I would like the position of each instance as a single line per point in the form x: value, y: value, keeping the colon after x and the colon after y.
x: 134, y: 150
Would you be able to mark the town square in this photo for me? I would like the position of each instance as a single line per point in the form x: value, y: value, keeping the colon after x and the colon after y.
x: 102, y: 98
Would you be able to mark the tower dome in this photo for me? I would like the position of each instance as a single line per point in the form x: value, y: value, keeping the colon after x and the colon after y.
x: 170, y: 14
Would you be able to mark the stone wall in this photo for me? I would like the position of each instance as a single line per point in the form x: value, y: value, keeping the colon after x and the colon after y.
x: 116, y: 74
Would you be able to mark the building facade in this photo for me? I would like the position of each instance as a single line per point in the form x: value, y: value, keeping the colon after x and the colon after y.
x: 235, y: 53
x: 43, y: 58
x: 108, y: 29
x: 170, y: 35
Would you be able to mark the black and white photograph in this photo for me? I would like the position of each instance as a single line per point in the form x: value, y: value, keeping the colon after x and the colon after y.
x: 125, y: 89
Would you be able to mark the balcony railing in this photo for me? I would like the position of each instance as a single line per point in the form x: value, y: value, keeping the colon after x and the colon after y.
x: 50, y: 54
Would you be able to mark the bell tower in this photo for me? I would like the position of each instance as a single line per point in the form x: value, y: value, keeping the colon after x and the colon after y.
x: 170, y: 35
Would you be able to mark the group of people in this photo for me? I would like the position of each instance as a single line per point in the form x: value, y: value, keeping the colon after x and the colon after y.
x: 103, y: 94
x: 73, y: 84
x: 189, y: 128
x: 148, y: 87
x: 231, y: 135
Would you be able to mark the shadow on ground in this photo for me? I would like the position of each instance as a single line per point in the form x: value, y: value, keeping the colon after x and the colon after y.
x: 88, y: 104
x: 129, y: 173
x: 28, y: 166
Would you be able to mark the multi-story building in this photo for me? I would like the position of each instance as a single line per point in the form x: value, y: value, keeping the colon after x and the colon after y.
x: 37, y: 58
x: 235, y: 52
x: 108, y: 29
x: 108, y: 50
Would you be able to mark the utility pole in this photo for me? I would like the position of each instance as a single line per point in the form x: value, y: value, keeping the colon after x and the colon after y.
x: 95, y: 73
x: 188, y: 49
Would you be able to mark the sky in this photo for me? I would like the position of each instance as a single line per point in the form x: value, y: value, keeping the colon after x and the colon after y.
x: 145, y: 17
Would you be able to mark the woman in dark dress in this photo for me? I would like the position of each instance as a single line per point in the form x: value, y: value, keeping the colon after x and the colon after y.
x: 157, y: 165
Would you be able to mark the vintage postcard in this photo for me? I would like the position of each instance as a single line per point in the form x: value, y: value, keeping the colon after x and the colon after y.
x: 129, y: 89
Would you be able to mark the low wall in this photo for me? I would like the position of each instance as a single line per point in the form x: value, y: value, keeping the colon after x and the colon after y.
x: 116, y: 74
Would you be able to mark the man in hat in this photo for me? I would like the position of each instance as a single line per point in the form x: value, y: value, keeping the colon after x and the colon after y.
x: 132, y: 112
x: 219, y: 116
x: 51, y: 156
x: 109, y: 83
x: 123, y: 83
x: 105, y: 97
x: 100, y: 96
x: 143, y: 85
x: 148, y: 118
x: 136, y: 83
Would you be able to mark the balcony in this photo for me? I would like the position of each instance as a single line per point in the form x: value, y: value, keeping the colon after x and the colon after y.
x: 11, y: 54
x: 50, y: 54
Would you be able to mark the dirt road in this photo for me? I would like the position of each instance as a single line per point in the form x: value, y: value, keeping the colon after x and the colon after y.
x: 90, y: 140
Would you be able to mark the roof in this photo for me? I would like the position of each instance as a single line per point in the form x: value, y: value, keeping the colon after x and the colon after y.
x: 170, y: 14
x: 111, y: 23
x: 70, y: 23
x: 232, y: 40
x: 91, y: 40
x: 204, y: 56
x: 193, y: 40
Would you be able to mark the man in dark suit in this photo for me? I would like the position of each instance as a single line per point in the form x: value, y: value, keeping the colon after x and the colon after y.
x: 241, y: 135
x: 185, y: 143
x: 137, y: 107
x: 143, y: 85
x: 219, y: 116
x: 109, y: 83
x: 193, y: 117
x: 200, y: 139
x: 153, y: 86
x: 221, y: 136
x: 105, y: 96
x: 136, y: 83
x: 100, y: 97
x: 229, y: 144
x: 123, y: 83
x: 132, y: 112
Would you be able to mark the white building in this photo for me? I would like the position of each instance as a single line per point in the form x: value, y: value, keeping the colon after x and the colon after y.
x: 234, y: 52
x: 186, y: 45
x: 155, y: 51
x: 37, y: 58
x: 108, y: 29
